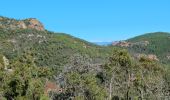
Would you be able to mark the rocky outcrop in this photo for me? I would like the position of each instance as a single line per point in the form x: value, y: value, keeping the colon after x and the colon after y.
x: 153, y: 57
x: 121, y: 43
x: 149, y: 56
x: 127, y: 44
x: 13, y: 24
x: 21, y: 24
x: 35, y: 24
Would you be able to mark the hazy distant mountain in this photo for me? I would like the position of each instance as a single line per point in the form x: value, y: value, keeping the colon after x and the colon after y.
x: 103, y: 43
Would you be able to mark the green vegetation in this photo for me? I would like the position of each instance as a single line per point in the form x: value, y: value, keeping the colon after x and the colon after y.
x: 43, y: 65
x: 121, y: 78
x: 57, y: 46
x: 22, y: 80
x: 158, y: 45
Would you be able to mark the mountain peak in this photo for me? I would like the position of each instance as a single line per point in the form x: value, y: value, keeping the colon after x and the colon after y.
x: 12, y: 24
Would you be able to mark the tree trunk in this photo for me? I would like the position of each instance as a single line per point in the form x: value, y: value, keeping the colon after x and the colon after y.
x: 128, y: 84
x: 141, y: 95
x: 110, y: 89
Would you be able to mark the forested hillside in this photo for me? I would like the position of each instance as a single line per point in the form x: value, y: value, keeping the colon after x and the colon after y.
x: 36, y: 64
x: 152, y: 43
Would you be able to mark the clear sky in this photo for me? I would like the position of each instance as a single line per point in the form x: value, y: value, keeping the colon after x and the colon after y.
x: 94, y: 20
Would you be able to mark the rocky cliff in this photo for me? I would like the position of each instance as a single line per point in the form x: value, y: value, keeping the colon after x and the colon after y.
x: 13, y: 24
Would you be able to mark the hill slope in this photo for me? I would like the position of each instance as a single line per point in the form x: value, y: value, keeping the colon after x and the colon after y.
x: 152, y: 43
x: 34, y: 39
x: 36, y: 64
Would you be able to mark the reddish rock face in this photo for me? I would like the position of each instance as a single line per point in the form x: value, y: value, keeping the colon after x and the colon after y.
x: 12, y: 24
x: 35, y: 24
x: 121, y: 43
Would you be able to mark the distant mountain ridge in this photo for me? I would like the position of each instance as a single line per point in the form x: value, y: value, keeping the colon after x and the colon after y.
x: 103, y: 43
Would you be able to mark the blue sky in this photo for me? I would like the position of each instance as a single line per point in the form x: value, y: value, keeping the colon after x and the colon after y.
x: 94, y: 20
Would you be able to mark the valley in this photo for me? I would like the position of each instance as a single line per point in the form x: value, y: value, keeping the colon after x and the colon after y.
x: 37, y: 64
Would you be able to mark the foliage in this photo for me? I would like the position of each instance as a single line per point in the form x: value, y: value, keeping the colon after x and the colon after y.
x: 83, y: 71
x: 24, y: 81
x: 130, y: 79
x: 158, y: 45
